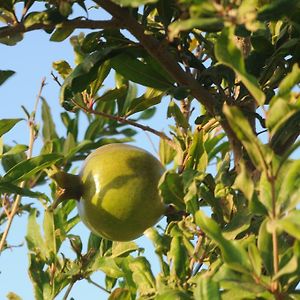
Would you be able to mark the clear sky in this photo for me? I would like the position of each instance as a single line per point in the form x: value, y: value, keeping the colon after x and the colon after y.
x: 32, y: 59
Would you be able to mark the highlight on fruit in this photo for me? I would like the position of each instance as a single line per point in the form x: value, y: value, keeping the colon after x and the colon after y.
x: 116, y: 191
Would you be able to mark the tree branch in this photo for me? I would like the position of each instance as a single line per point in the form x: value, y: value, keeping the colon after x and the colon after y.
x: 127, y: 121
x: 159, y: 50
x: 75, y: 23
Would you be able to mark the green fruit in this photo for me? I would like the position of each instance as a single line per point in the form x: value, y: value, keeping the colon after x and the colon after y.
x: 120, y: 198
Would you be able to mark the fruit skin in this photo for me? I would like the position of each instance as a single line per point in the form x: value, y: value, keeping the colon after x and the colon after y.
x: 120, y: 198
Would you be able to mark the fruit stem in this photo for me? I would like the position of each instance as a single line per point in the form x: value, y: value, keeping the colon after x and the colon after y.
x: 69, y: 186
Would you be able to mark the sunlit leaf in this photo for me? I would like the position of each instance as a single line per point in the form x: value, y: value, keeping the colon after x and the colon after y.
x: 26, y: 169
x: 7, y: 124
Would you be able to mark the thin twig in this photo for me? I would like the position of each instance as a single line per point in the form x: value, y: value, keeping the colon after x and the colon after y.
x: 160, y: 51
x: 32, y: 137
x: 127, y: 121
x: 89, y: 280
x: 70, y: 24
x: 68, y: 290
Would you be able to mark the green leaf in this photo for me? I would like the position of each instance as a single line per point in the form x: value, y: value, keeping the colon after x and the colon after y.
x: 139, y: 72
x: 228, y: 54
x: 85, y: 73
x: 5, y: 74
x: 288, y: 197
x: 108, y: 266
x: 240, y: 125
x: 26, y: 169
x: 289, y: 81
x: 60, y: 34
x: 10, y: 188
x: 178, y: 257
x: 113, y: 94
x: 207, y: 289
x: 291, y: 224
x: 240, y: 222
x: 244, y: 182
x: 123, y: 248
x: 169, y: 294
x: 134, y: 3
x: 290, y: 267
x: 142, y: 275
x: 233, y: 253
x: 166, y: 152
x: 7, y: 124
x: 255, y: 259
x: 148, y: 99
x: 265, y: 192
x: 204, y: 24
x: 49, y: 232
x: 265, y: 246
x: 34, y: 239
x: 15, y: 150
x: 171, y: 189
x: 120, y: 294
x: 62, y: 67
x: 180, y: 119
x: 49, y: 132
x: 197, y: 154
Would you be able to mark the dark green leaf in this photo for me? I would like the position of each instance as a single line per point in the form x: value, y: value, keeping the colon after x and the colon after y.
x: 5, y: 74
x: 139, y: 72
x: 60, y: 34
x: 85, y: 73
x: 204, y: 24
x: 7, y: 124
x: 10, y: 188
x: 148, y: 99
x: 26, y: 169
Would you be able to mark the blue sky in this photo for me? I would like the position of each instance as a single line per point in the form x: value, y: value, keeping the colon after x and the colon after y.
x: 32, y: 59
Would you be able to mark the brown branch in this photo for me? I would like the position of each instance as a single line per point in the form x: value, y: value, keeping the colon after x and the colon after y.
x: 123, y: 120
x: 71, y: 24
x: 159, y: 50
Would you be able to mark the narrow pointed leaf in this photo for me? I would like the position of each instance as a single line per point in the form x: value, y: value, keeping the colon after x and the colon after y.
x: 26, y: 169
x: 7, y: 124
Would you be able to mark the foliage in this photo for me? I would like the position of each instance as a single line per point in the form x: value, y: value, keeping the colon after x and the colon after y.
x: 233, y: 221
